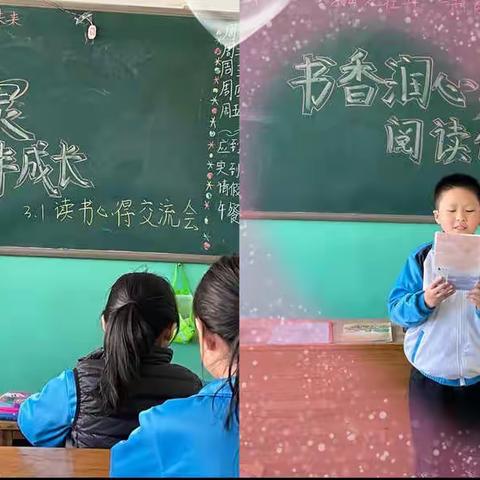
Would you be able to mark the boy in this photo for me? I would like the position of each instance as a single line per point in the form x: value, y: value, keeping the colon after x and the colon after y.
x: 442, y: 342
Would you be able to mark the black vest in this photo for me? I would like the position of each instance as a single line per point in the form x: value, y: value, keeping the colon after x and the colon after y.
x: 159, y: 380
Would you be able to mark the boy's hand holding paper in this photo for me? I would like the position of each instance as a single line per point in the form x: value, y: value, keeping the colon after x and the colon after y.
x: 438, y: 291
x: 474, y: 295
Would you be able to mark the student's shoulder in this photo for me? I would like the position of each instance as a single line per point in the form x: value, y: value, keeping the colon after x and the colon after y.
x: 66, y: 376
x: 94, y: 355
x: 175, y: 411
x: 182, y: 370
x: 419, y: 254
x: 185, y: 373
x: 65, y: 380
x: 174, y: 414
x: 57, y: 387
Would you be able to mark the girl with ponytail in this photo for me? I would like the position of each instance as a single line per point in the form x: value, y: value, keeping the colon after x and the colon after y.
x: 96, y: 404
x: 196, y: 436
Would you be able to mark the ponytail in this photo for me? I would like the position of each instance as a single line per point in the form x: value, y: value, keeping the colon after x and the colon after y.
x: 127, y: 339
x: 139, y: 308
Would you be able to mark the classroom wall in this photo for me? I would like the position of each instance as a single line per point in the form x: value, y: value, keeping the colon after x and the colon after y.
x: 319, y: 268
x: 50, y: 314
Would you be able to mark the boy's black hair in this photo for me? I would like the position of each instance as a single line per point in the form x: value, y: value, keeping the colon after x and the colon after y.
x: 456, y: 180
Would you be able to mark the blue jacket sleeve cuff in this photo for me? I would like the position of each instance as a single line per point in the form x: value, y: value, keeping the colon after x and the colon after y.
x: 423, y: 307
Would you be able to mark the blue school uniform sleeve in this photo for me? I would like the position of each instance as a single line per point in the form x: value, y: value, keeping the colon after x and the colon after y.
x: 406, y: 302
x: 137, y: 456
x: 45, y: 418
x: 183, y: 437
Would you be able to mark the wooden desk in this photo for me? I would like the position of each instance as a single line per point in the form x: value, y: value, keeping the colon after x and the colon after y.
x: 8, y: 433
x: 53, y: 462
x: 336, y: 410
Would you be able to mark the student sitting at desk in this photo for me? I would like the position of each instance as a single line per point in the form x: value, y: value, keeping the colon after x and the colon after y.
x: 196, y: 436
x: 96, y: 404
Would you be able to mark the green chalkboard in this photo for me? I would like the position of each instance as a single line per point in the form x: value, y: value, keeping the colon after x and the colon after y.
x: 124, y: 142
x: 361, y: 145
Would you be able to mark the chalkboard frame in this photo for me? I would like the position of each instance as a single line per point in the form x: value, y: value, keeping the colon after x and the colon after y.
x: 107, y: 255
x: 340, y: 217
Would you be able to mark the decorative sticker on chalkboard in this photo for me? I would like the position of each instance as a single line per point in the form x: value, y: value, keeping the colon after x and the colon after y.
x: 222, y: 187
x: 80, y: 19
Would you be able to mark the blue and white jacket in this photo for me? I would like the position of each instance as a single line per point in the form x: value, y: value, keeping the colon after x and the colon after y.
x: 442, y: 342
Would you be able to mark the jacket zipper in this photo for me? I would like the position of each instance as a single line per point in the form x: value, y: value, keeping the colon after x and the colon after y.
x: 459, y: 343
